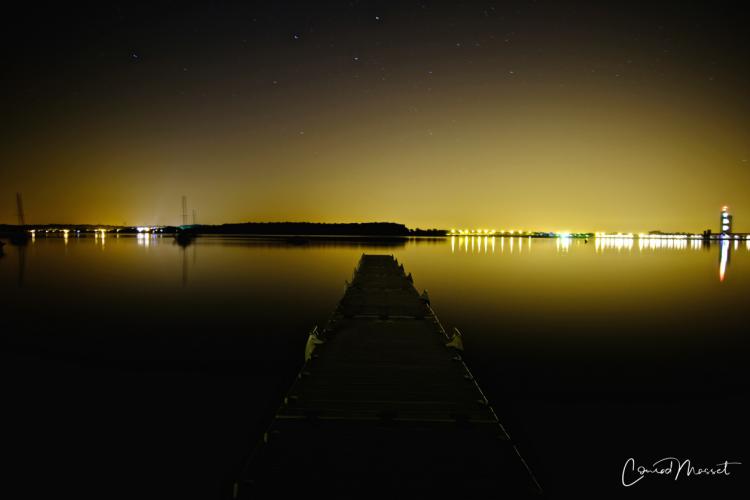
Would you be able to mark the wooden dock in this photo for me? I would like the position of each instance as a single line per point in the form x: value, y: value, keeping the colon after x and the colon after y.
x: 382, y: 406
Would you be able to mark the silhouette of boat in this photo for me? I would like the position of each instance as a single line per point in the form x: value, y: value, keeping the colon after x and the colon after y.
x: 184, y: 237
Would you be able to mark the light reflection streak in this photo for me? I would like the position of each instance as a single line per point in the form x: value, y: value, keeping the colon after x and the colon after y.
x: 144, y: 239
x: 563, y: 243
x: 619, y: 243
x: 723, y: 259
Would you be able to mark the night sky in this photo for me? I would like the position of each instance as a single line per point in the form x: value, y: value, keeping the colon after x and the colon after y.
x: 512, y: 115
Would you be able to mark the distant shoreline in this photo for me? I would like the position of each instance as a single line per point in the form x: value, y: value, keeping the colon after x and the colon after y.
x: 322, y: 231
x: 288, y: 229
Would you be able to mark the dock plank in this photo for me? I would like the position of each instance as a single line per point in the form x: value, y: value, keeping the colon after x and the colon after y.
x: 384, y: 407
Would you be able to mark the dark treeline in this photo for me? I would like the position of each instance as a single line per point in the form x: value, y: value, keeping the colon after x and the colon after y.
x: 308, y: 228
x: 318, y: 229
x: 256, y: 228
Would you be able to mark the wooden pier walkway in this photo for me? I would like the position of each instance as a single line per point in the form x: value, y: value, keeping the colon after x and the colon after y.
x: 382, y: 407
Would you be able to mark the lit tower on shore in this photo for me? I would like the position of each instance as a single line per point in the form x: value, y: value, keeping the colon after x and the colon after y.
x: 726, y: 221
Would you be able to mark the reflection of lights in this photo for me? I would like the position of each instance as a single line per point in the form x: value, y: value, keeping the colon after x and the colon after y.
x: 502, y: 245
x: 724, y: 259
x: 493, y: 244
x: 485, y: 243
x: 622, y: 241
x: 144, y: 239
x: 453, y: 243
x: 563, y: 242
x: 511, y: 243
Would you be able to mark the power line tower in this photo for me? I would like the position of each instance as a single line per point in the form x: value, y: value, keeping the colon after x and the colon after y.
x: 19, y: 206
x: 194, y: 212
x: 184, y: 211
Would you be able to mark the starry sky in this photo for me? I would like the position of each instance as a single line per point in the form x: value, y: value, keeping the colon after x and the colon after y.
x: 535, y: 115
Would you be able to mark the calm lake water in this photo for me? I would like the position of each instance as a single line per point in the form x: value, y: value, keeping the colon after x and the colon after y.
x: 137, y: 365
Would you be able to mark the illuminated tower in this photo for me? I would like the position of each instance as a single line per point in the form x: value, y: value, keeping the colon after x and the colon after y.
x: 726, y: 221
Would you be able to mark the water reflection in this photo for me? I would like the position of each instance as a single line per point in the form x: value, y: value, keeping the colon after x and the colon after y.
x: 724, y: 259
x: 563, y: 243
x: 619, y: 243
x: 144, y: 239
x: 487, y: 244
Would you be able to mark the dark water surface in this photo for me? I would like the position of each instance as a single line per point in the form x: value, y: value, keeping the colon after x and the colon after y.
x: 137, y: 367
